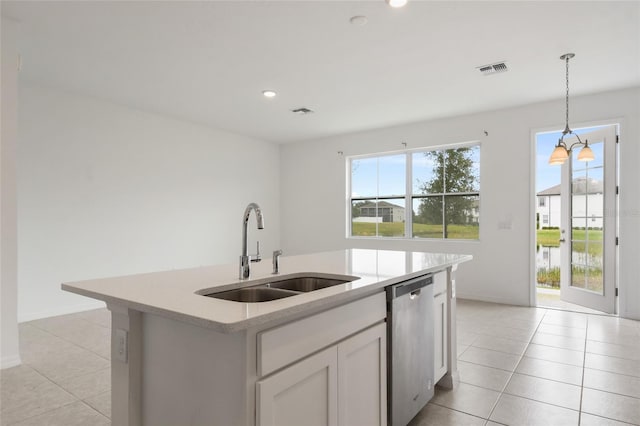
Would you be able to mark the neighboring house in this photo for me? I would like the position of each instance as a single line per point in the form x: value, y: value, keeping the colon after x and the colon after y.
x: 473, y: 216
x: 548, y: 207
x: 388, y: 212
x: 587, y: 202
x: 381, y: 211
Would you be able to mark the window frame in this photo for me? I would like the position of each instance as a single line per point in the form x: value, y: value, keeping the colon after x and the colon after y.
x: 408, y: 196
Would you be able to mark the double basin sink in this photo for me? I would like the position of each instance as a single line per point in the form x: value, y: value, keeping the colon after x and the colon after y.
x: 284, y: 287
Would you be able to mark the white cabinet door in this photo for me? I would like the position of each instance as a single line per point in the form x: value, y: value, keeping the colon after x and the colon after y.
x: 362, y: 378
x: 440, y: 344
x: 304, y: 394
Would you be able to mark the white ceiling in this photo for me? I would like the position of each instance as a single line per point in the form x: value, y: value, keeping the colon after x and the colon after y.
x: 208, y: 62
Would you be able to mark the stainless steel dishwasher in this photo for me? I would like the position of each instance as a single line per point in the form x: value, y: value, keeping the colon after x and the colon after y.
x: 410, y: 353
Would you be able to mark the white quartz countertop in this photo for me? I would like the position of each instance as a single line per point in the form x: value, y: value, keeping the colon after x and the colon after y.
x: 177, y: 294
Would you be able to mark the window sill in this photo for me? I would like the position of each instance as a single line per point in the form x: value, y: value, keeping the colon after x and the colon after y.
x: 431, y: 240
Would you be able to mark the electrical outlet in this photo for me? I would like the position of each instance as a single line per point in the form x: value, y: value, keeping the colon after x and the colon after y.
x: 121, y: 346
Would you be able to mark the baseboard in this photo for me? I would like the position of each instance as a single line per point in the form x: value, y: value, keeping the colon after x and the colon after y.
x: 10, y: 361
x: 60, y: 310
x: 490, y: 299
x: 630, y: 315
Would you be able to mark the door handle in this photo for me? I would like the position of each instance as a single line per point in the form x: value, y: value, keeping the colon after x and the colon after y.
x: 561, y: 240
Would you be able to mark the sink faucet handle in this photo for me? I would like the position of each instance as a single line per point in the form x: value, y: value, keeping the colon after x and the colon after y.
x: 276, y: 261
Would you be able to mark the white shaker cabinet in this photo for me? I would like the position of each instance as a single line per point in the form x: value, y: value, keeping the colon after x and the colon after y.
x: 325, y: 369
x: 344, y: 384
x: 362, y: 378
x: 304, y: 394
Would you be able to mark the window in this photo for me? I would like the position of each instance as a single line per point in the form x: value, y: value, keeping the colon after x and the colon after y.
x: 542, y: 201
x: 441, y: 200
x: 378, y: 187
x: 545, y: 218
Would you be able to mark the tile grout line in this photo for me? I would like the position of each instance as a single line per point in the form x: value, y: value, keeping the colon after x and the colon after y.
x: 545, y: 378
x: 612, y: 393
x: 58, y: 408
x: 556, y: 347
x: 609, y: 371
x: 457, y: 409
x: 603, y: 314
x: 617, y: 344
x: 43, y: 413
x: 584, y: 362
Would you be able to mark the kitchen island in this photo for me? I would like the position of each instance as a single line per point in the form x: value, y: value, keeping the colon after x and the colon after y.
x: 180, y: 357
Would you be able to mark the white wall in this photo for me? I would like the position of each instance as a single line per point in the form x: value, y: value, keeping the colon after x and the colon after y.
x: 314, y: 174
x: 8, y: 221
x: 107, y: 190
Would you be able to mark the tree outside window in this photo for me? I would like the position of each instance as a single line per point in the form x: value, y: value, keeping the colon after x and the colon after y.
x: 446, y: 193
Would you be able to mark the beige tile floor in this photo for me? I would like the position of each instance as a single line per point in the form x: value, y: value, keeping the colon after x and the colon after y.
x: 518, y: 366
x: 537, y: 366
x: 64, y: 378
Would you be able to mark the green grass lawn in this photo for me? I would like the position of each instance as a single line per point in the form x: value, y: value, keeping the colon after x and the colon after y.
x: 545, y: 237
x: 548, y: 237
x: 396, y: 229
x: 551, y: 238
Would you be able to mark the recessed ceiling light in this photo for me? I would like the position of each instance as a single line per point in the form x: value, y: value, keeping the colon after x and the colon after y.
x: 359, y: 20
x: 396, y: 3
x: 269, y: 93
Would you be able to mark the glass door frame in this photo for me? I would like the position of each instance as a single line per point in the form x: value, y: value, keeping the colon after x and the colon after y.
x: 606, y: 300
x: 534, y: 155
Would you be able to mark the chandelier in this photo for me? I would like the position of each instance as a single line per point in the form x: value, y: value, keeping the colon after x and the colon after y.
x: 562, y: 151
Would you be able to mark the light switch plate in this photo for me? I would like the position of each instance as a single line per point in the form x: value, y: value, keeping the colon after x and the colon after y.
x: 121, y: 345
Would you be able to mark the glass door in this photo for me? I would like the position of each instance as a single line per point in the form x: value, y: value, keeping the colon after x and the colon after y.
x: 588, y: 224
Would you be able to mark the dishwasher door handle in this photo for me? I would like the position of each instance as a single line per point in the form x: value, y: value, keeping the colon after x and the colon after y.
x: 415, y: 294
x: 409, y: 287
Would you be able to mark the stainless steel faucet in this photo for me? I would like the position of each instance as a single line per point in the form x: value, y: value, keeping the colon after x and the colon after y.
x: 245, y: 259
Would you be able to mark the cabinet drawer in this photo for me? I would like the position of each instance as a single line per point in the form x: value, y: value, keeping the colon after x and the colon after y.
x: 439, y: 283
x: 288, y: 343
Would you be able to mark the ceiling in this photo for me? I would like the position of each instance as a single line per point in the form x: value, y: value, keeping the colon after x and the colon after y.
x: 208, y: 62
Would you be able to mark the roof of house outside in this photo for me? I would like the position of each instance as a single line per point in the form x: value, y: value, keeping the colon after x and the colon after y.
x: 554, y: 190
x: 380, y: 204
x: 581, y: 185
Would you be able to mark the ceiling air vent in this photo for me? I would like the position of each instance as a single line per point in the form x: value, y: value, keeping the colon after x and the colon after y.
x: 302, y: 111
x: 493, y: 68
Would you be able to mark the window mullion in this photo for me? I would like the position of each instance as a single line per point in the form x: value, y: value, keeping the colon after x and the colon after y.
x: 408, y: 203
